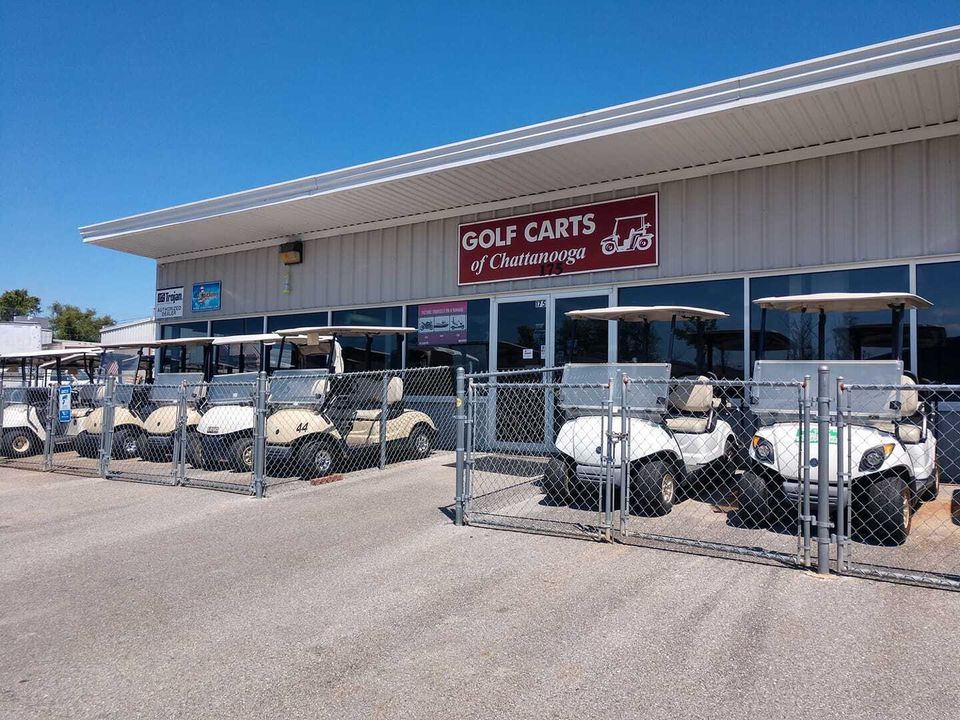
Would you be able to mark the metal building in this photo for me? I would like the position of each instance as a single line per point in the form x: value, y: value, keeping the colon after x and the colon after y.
x: 840, y: 173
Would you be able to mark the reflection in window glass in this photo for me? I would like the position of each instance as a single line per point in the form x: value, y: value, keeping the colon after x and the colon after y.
x: 722, y: 352
x: 848, y: 336
x: 235, y: 357
x: 170, y: 357
x: 938, y: 329
x: 579, y: 341
x: 471, y: 355
x: 385, y: 351
x: 291, y: 358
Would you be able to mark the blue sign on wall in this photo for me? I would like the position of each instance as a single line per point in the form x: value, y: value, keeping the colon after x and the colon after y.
x: 205, y: 296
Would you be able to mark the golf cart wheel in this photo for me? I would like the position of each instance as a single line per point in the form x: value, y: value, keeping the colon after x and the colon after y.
x: 86, y: 445
x: 754, y: 500
x: 148, y: 452
x: 317, y: 459
x: 558, y: 480
x: 654, y: 487
x: 884, y: 510
x: 241, y: 454
x: 194, y: 449
x: 930, y: 492
x: 126, y: 444
x: 420, y: 442
x: 20, y: 443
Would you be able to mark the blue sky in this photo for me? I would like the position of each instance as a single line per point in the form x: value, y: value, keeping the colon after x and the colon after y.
x: 114, y: 108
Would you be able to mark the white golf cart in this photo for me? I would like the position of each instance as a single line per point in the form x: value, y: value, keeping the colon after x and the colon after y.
x: 157, y: 441
x: 672, y: 432
x: 893, y: 451
x: 316, y: 422
x: 131, y: 364
x: 26, y: 405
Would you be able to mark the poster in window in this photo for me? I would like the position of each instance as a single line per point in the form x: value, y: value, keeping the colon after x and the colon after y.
x: 442, y: 323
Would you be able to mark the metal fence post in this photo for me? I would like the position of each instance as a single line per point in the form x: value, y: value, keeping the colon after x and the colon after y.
x: 106, y: 431
x: 178, y: 459
x: 471, y: 422
x: 823, y: 469
x: 624, y: 456
x: 384, y: 384
x: 460, y: 411
x: 805, y: 409
x: 53, y: 411
x: 612, y: 440
x: 260, y: 435
x: 842, y: 474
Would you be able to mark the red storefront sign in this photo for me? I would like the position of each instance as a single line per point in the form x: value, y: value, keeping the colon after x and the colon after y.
x: 602, y: 236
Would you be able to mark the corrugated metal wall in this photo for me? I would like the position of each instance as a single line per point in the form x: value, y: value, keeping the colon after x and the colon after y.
x: 894, y: 202
x: 134, y: 332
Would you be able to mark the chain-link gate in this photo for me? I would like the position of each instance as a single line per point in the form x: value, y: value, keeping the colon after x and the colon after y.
x: 27, y: 431
x: 898, y: 511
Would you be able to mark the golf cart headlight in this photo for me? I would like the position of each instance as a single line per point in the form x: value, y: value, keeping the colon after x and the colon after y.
x: 874, y: 457
x: 762, y: 449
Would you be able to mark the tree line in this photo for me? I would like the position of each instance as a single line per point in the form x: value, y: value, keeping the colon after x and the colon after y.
x: 68, y: 322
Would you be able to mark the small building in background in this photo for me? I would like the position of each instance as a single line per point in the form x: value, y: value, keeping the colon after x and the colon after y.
x: 132, y: 331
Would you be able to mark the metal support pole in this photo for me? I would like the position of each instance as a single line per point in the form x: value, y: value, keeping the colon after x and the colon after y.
x: 823, y: 469
x: 260, y: 435
x: 106, y: 429
x: 53, y: 411
x: 805, y: 500
x: 624, y: 456
x: 606, y: 497
x: 178, y: 459
x: 842, y: 480
x: 460, y: 417
x: 384, y: 409
x: 468, y: 452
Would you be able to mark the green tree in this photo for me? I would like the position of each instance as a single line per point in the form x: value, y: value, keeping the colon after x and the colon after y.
x: 18, y: 302
x: 71, y: 323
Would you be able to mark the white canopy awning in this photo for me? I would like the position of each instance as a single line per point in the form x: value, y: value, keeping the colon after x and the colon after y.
x: 843, y: 302
x: 244, y: 339
x: 185, y: 341
x: 348, y: 330
x: 650, y: 313
x: 53, y: 354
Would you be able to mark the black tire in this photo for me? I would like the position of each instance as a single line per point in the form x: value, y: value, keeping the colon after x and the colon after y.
x: 753, y: 498
x: 654, y: 487
x: 241, y: 454
x: 20, y: 443
x: 86, y: 445
x: 420, y: 442
x: 126, y: 444
x: 194, y: 449
x: 149, y: 452
x: 930, y: 492
x: 317, y: 458
x: 884, y: 510
x: 557, y: 481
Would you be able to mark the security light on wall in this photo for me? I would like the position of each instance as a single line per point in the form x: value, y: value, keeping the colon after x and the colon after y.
x: 291, y: 253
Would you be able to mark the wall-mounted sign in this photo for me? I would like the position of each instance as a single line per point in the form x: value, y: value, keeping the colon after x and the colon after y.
x: 169, y: 303
x: 602, y: 236
x: 442, y: 323
x: 205, y: 296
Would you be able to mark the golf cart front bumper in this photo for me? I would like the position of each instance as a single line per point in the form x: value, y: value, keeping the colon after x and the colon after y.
x: 160, y: 444
x: 216, y: 448
x: 279, y: 455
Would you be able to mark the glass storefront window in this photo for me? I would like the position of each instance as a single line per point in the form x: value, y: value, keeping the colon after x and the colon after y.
x: 471, y: 355
x: 848, y: 336
x: 236, y: 358
x: 938, y: 329
x: 170, y: 356
x: 291, y: 358
x: 723, y: 339
x: 386, y: 349
x: 579, y: 341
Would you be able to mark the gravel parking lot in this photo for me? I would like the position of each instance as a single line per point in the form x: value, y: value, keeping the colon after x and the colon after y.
x: 360, y: 599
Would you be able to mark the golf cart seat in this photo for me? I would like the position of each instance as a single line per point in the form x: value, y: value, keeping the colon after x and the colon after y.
x: 908, y: 432
x: 693, y: 405
x: 394, y: 400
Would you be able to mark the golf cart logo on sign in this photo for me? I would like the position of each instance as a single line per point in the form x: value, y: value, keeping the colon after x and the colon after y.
x: 602, y: 236
x: 206, y: 296
x: 169, y: 303
x: 442, y: 323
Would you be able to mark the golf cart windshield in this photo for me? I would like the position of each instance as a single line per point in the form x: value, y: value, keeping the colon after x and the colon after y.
x: 782, y: 396
x: 646, y: 391
x: 166, y: 388
x: 122, y: 366
x: 292, y: 387
x: 236, y: 389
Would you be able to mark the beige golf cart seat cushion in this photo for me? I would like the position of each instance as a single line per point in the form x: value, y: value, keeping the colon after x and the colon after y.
x: 909, y: 405
x: 394, y: 395
x: 321, y: 387
x: 694, y: 402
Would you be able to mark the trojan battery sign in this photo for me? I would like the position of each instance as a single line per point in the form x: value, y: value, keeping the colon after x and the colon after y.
x: 602, y: 236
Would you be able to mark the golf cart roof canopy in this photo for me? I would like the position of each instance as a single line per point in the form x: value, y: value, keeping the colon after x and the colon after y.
x: 53, y: 354
x: 188, y: 341
x: 843, y: 302
x: 131, y: 345
x: 348, y: 331
x: 243, y: 339
x: 650, y: 313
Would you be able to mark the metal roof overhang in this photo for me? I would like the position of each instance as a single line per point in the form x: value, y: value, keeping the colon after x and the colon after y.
x: 882, y: 94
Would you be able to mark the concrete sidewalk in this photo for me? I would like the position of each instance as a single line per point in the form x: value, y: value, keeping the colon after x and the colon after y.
x: 360, y: 599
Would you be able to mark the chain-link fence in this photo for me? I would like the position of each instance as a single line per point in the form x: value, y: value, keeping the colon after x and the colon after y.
x: 796, y: 466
